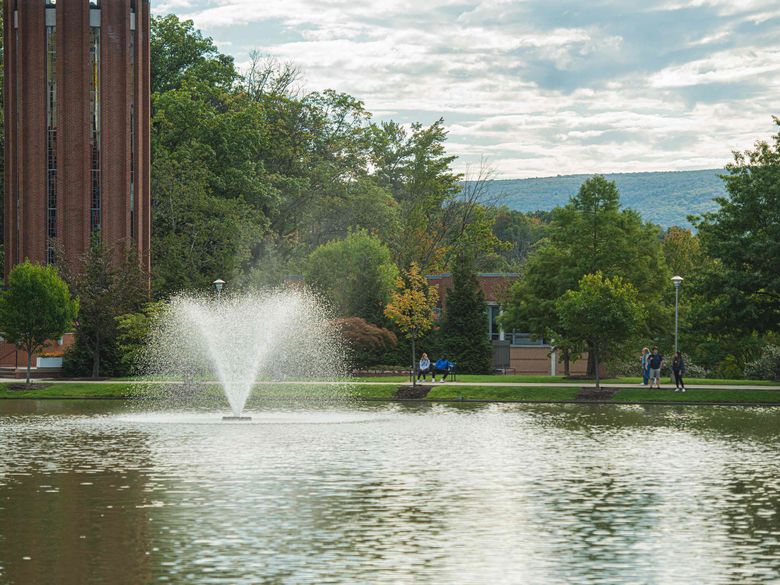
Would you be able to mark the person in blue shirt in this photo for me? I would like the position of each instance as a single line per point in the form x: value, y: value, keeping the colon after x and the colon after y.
x: 442, y: 367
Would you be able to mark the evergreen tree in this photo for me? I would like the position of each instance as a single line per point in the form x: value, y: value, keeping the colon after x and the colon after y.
x: 105, y: 291
x: 464, y: 330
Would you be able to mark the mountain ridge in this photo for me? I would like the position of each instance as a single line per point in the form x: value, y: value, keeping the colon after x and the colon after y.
x: 666, y: 198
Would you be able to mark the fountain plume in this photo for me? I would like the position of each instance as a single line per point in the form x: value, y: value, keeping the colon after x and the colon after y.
x: 240, y: 339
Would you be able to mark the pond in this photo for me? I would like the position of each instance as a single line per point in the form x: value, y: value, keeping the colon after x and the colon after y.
x: 107, y: 492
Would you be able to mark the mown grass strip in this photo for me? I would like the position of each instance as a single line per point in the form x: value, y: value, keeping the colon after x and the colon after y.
x: 444, y: 392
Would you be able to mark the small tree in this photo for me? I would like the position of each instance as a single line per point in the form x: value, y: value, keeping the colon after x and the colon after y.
x: 464, y: 328
x: 35, y: 308
x: 411, y: 307
x: 602, y: 312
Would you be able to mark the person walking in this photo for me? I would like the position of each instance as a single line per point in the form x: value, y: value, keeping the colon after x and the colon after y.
x: 645, y: 361
x: 656, y: 360
x: 678, y: 370
x: 425, y: 367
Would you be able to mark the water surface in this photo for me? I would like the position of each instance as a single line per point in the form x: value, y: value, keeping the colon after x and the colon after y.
x: 102, y: 492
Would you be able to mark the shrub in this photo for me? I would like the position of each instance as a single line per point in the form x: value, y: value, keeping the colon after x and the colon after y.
x: 368, y: 343
x: 766, y: 367
x: 630, y: 367
x: 730, y: 368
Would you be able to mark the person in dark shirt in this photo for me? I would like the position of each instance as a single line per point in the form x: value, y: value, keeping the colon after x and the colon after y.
x: 678, y: 369
x: 656, y: 360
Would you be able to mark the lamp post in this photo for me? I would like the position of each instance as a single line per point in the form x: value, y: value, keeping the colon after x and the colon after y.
x: 218, y: 284
x: 676, y: 280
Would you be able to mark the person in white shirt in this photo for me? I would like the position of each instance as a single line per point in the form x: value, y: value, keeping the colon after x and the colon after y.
x: 425, y: 366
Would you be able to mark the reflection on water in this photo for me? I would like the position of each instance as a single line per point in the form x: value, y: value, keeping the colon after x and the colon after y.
x: 91, y: 492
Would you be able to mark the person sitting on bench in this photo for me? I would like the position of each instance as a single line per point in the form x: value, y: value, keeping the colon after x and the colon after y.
x: 425, y: 367
x: 442, y: 367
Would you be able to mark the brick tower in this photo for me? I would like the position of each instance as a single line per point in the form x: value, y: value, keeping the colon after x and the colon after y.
x: 77, y: 148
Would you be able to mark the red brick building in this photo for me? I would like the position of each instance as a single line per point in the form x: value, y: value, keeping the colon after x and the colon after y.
x: 77, y: 148
x: 513, y: 351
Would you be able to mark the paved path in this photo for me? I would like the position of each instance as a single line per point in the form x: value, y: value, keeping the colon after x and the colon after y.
x: 386, y: 382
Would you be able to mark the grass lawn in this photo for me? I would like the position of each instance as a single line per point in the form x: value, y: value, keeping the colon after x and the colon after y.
x: 698, y: 382
x: 74, y: 390
x: 508, y: 379
x: 211, y: 393
x: 500, y: 393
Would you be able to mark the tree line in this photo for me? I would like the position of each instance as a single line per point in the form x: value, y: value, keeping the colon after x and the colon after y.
x: 255, y: 179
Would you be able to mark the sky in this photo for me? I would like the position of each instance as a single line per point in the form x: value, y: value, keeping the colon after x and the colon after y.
x: 535, y: 87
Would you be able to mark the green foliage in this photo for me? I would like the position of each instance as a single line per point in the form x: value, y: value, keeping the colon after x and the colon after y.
x: 521, y: 231
x: 412, y: 304
x: 682, y: 251
x: 106, y: 289
x: 35, y: 307
x: 590, y: 234
x: 179, y: 52
x: 133, y: 330
x: 368, y: 343
x: 742, y: 285
x: 415, y: 169
x: 602, y: 312
x: 464, y: 328
x: 356, y: 275
x: 207, y: 188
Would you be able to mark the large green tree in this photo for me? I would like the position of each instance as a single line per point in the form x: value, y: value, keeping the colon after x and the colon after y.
x: 590, y: 234
x: 743, y: 237
x: 36, y: 307
x: 180, y: 52
x: 414, y: 167
x: 464, y: 328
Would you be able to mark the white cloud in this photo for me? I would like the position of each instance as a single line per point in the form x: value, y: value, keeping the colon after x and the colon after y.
x: 540, y: 87
x: 721, y: 67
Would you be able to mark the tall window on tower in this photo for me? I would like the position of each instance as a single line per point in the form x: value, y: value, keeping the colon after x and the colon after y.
x: 132, y: 128
x: 51, y: 142
x: 94, y: 108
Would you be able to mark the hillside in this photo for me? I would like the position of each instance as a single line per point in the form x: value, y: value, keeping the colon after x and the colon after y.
x: 665, y: 198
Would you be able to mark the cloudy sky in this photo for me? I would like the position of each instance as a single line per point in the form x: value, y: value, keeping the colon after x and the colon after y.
x: 539, y: 87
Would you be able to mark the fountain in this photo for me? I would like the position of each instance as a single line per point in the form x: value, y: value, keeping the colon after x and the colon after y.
x: 238, y: 340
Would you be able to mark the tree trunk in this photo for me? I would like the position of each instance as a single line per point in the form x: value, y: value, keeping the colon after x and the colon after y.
x: 591, y: 373
x: 596, y: 363
x: 29, y: 364
x: 96, y: 358
x: 414, y: 363
x: 566, y: 363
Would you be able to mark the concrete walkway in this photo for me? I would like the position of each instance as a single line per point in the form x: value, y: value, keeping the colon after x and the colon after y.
x: 385, y: 383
